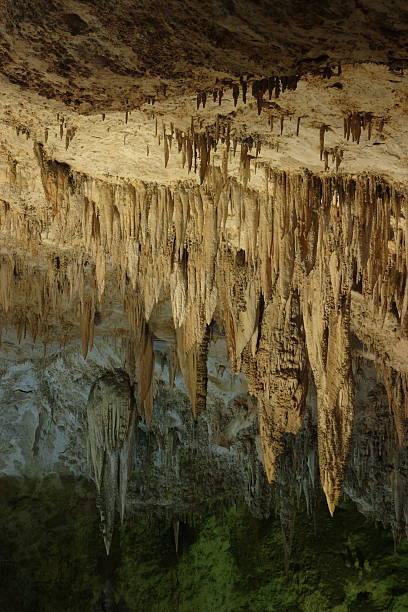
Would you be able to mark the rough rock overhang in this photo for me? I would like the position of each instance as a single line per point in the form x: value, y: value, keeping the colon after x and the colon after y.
x: 168, y: 167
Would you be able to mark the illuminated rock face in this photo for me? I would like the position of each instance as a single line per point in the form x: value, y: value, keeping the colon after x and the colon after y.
x: 281, y: 288
x: 147, y: 214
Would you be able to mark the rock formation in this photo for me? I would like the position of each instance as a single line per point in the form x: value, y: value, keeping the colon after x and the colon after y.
x: 159, y: 211
x: 111, y: 428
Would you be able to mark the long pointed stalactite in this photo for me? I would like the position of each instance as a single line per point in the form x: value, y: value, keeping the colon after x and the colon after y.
x: 111, y: 418
x: 276, y: 269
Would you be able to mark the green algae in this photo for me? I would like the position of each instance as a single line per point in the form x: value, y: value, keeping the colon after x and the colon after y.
x: 233, y: 562
x: 52, y: 558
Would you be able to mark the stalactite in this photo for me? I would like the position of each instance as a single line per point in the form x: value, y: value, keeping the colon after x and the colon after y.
x: 111, y: 422
x: 87, y: 324
x: 271, y: 266
x: 235, y: 93
x: 277, y: 376
x: 245, y: 165
x: 338, y: 156
x: 193, y: 365
x: 322, y: 132
x: 166, y: 148
x: 244, y: 85
x: 146, y: 368
x: 355, y: 122
x: 326, y: 159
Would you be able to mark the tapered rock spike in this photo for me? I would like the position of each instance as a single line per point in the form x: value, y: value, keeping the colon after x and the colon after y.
x: 111, y: 418
x: 235, y: 93
x: 244, y: 91
x: 87, y: 324
x: 322, y: 132
x: 166, y: 148
x: 326, y: 160
x: 271, y: 86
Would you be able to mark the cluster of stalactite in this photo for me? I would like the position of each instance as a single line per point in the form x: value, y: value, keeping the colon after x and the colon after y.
x: 274, y: 85
x: 336, y: 155
x: 111, y: 417
x: 275, y: 269
x: 355, y: 122
x: 195, y: 147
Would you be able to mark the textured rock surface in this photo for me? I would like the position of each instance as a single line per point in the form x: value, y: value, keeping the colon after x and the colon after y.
x: 222, y: 216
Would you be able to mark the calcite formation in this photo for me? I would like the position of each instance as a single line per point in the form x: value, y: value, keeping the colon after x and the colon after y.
x: 263, y: 201
x: 111, y: 419
x: 280, y: 286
